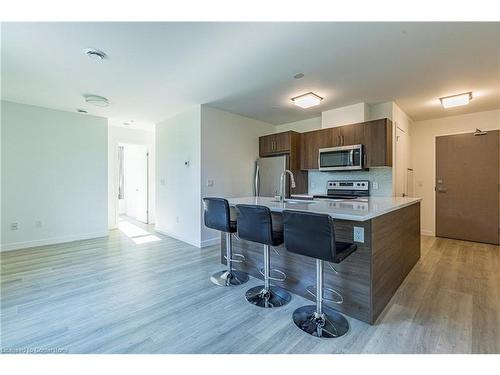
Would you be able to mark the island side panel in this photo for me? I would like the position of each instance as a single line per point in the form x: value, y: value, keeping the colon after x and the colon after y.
x: 353, y: 280
x: 395, y: 250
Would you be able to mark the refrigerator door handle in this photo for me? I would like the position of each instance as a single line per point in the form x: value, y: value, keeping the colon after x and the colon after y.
x: 257, y: 180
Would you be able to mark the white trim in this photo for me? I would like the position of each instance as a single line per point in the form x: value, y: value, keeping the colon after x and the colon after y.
x: 426, y: 232
x: 52, y: 241
x: 177, y: 237
x: 210, y: 242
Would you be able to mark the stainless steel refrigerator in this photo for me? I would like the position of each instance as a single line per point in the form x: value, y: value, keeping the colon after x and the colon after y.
x: 267, y: 176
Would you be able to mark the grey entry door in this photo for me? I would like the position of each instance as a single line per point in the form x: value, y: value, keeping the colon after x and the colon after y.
x: 467, y: 187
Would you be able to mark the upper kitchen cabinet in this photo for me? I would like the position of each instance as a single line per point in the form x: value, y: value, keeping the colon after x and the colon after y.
x: 282, y: 143
x: 375, y: 136
x: 279, y: 143
x: 378, y: 143
x: 310, y: 144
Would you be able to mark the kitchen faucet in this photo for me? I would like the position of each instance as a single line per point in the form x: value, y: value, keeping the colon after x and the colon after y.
x: 282, y: 183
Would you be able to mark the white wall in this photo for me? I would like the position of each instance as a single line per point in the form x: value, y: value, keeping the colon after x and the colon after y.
x: 381, y: 110
x: 117, y: 135
x: 423, y: 153
x: 345, y: 115
x: 178, y: 176
x: 54, y: 176
x: 301, y: 126
x: 229, y: 148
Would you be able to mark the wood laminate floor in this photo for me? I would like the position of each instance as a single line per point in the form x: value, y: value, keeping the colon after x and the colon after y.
x: 111, y: 295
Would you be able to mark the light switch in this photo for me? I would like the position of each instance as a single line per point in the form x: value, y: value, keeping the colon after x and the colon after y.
x: 210, y: 183
x: 14, y: 226
x: 359, y: 234
x: 375, y: 185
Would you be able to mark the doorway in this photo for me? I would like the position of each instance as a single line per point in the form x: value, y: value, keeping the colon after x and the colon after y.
x: 467, y: 186
x: 133, y: 182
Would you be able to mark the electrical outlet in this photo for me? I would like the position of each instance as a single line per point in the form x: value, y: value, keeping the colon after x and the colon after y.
x: 162, y: 182
x: 177, y: 219
x: 14, y: 226
x: 359, y: 234
x: 375, y: 185
x: 38, y: 224
x: 210, y: 183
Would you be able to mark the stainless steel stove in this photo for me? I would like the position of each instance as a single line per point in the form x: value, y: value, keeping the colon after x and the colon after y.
x: 340, y: 190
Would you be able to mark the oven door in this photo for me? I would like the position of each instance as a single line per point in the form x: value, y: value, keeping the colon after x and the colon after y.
x: 344, y: 158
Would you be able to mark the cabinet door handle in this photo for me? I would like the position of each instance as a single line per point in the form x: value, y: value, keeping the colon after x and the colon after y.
x: 338, y: 140
x: 342, y: 138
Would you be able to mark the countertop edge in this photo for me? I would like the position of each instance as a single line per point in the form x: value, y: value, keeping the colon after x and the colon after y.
x: 346, y: 216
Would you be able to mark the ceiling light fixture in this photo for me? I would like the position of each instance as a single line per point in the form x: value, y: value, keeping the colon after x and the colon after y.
x: 99, y: 101
x: 298, y: 75
x: 307, y: 100
x: 456, y: 100
x: 95, y: 54
x: 126, y: 123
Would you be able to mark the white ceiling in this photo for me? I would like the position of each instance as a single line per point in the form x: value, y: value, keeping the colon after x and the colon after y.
x: 156, y: 70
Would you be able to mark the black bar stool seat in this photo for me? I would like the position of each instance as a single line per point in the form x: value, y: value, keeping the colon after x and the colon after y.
x: 255, y: 224
x: 313, y: 235
x: 217, y: 215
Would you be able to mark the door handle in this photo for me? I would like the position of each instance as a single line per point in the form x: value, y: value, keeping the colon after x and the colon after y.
x: 257, y: 181
x: 441, y: 189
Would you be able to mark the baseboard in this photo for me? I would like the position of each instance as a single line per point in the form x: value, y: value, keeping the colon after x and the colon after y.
x: 178, y: 237
x: 51, y: 241
x: 210, y: 242
x: 425, y: 232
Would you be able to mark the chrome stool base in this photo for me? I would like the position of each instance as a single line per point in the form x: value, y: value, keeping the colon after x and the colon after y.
x: 330, y: 324
x: 273, y: 297
x: 226, y: 278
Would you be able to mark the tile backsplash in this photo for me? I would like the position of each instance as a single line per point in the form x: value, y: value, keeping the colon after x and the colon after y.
x: 382, y: 176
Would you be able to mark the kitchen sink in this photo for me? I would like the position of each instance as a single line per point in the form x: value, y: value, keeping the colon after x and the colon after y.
x: 298, y: 201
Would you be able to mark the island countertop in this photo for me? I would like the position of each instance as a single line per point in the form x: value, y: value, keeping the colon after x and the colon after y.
x: 360, y: 209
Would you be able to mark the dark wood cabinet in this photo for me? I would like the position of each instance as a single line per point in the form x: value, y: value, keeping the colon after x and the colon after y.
x: 376, y: 136
x: 378, y: 143
x: 279, y: 143
x: 310, y: 144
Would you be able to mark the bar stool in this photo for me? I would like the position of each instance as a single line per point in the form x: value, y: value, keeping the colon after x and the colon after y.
x: 313, y: 235
x: 255, y: 224
x: 217, y: 216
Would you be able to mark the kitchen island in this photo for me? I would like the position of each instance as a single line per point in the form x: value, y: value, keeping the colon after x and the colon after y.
x: 388, y: 246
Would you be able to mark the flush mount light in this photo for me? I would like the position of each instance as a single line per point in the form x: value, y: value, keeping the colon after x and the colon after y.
x: 298, y: 75
x: 307, y: 100
x: 456, y: 100
x: 126, y: 123
x: 95, y: 54
x: 99, y: 101
x: 81, y: 110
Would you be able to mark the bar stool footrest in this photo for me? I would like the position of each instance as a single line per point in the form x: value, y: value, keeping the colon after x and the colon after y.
x: 240, y: 256
x: 338, y: 300
x: 283, y: 278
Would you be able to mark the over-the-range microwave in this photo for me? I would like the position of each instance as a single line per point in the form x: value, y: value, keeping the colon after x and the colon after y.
x: 342, y: 158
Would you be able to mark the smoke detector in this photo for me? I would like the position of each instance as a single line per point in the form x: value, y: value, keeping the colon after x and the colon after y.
x: 95, y: 54
x: 99, y: 101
